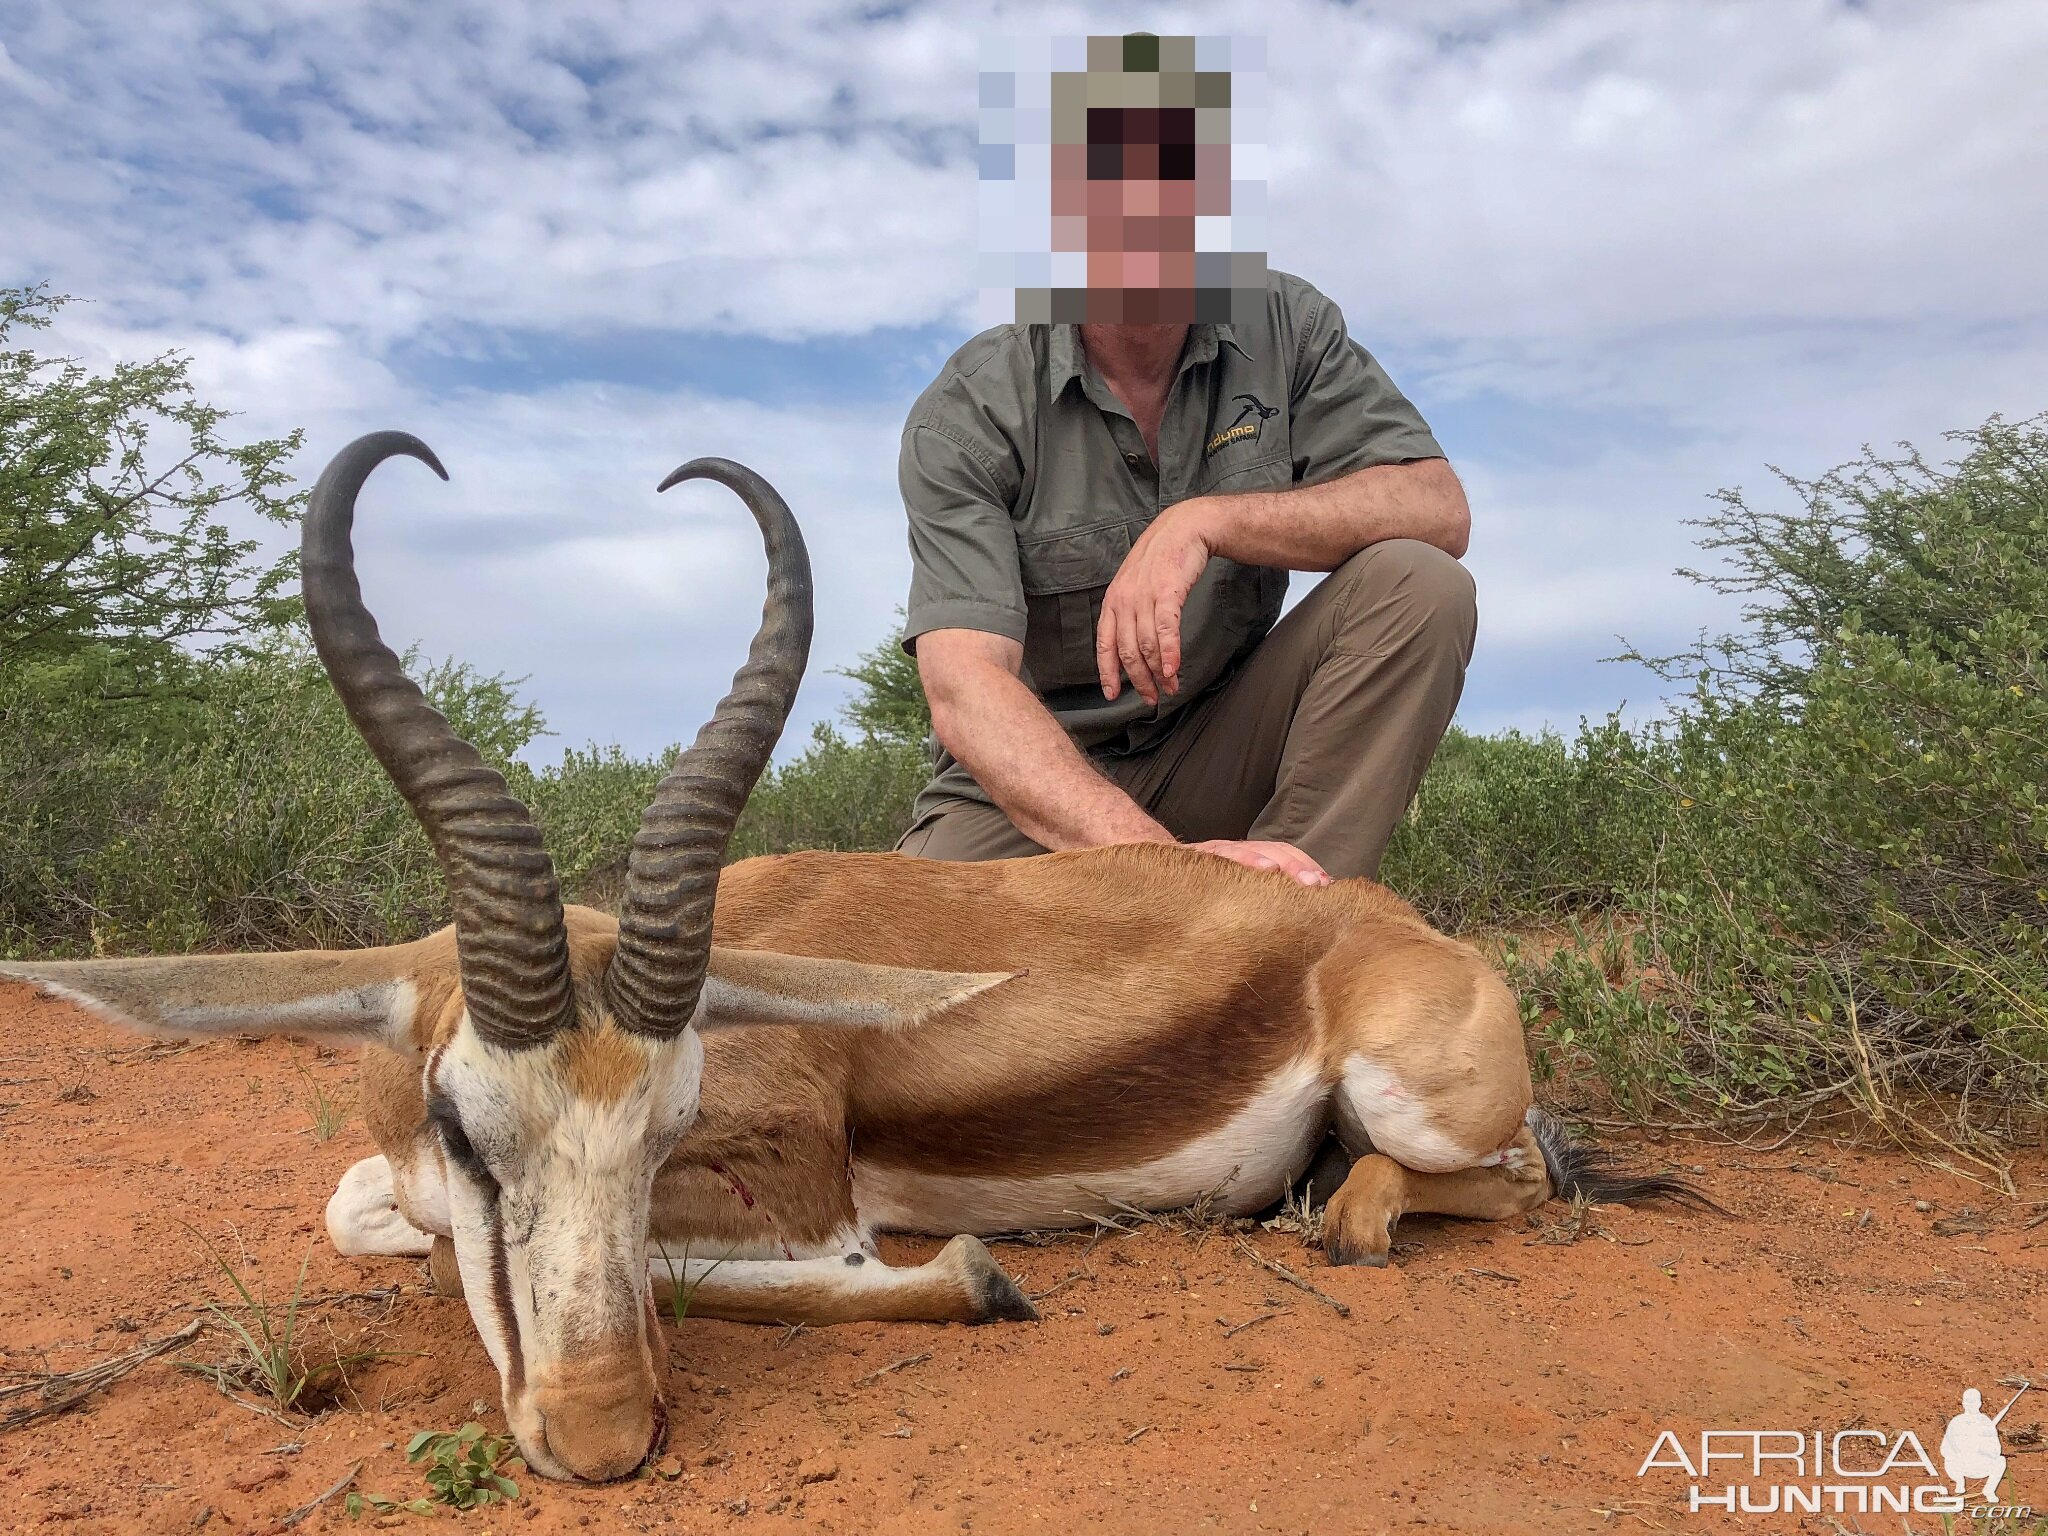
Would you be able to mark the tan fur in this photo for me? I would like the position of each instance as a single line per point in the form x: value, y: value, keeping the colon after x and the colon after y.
x: 1153, y: 991
x: 601, y: 1065
x: 1358, y: 1223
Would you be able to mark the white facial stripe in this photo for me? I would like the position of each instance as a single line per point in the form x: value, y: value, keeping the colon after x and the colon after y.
x: 1396, y: 1121
x: 563, y: 1271
x: 1246, y: 1163
x: 476, y: 1249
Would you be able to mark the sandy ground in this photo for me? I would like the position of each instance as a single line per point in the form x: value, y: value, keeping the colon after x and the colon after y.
x: 1497, y: 1378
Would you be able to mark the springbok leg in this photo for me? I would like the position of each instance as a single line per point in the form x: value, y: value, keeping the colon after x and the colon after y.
x: 1358, y: 1223
x: 363, y: 1216
x: 962, y: 1285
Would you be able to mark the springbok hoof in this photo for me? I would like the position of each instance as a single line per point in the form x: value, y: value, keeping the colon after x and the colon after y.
x: 1344, y: 1257
x: 994, y: 1294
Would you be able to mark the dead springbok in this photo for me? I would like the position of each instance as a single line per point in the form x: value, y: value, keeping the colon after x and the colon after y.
x: 955, y: 1049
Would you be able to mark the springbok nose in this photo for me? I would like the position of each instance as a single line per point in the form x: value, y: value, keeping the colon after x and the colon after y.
x: 603, y: 1430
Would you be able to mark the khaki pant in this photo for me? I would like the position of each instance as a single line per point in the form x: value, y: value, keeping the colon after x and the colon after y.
x: 1319, y: 739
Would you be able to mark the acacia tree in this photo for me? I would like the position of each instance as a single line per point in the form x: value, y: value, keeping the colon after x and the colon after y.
x: 889, y: 704
x: 116, y: 556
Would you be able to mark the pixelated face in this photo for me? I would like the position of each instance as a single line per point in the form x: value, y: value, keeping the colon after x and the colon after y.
x: 1129, y: 143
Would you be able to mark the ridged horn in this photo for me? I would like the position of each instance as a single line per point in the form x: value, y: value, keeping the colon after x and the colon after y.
x: 513, y: 948
x: 672, y: 874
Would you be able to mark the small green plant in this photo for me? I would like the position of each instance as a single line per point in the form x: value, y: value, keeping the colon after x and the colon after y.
x: 682, y: 1290
x: 356, y: 1505
x: 327, y: 1113
x: 466, y: 1469
x: 273, y: 1359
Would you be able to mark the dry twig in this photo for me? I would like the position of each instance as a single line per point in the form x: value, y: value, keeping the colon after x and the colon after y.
x: 1274, y: 1267
x: 286, y: 1521
x: 58, y: 1392
x: 906, y: 1361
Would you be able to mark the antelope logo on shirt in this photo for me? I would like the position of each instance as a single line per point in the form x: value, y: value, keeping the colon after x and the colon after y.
x: 1252, y: 417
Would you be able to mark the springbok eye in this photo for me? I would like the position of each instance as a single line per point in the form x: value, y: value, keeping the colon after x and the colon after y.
x: 457, y: 1142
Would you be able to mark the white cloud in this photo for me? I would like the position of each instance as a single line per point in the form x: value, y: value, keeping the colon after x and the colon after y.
x: 1690, y: 239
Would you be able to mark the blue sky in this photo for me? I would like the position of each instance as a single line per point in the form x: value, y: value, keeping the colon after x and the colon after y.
x: 1621, y: 255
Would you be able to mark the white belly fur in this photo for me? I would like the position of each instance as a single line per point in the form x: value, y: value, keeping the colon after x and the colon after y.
x: 1246, y: 1163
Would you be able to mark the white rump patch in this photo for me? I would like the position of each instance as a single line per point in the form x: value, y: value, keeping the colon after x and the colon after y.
x: 1245, y: 1164
x: 1375, y: 1109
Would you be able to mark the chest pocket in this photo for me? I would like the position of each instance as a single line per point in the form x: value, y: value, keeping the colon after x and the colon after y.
x: 1064, y: 577
x: 1247, y: 464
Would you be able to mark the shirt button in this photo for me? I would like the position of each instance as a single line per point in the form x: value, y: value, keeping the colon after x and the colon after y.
x: 1130, y: 458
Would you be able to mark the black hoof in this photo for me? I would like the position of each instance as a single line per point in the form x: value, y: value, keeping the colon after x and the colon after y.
x: 1347, y: 1255
x: 996, y: 1297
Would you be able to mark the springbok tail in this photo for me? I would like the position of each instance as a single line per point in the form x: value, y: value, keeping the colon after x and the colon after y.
x: 1580, y: 1170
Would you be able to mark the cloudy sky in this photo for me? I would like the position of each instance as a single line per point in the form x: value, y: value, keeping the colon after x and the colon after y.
x: 1620, y: 255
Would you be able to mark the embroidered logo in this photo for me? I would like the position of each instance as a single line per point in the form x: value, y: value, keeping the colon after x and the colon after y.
x: 1250, y: 419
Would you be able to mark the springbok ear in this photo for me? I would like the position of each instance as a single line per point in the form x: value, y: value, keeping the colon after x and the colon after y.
x: 758, y: 986
x: 337, y: 997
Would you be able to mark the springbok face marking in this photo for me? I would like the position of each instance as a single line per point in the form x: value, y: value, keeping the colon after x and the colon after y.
x: 556, y: 1096
x: 551, y: 1155
x: 561, y: 1067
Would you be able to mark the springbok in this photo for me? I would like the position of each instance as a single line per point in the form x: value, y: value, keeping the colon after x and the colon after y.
x: 887, y: 1044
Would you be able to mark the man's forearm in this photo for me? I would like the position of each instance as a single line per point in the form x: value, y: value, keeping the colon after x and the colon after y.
x: 1004, y: 735
x: 1319, y: 527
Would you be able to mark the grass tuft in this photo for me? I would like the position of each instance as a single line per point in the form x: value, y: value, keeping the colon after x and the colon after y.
x: 272, y: 1360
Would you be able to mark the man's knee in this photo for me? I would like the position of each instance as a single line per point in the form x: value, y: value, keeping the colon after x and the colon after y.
x: 1404, y: 589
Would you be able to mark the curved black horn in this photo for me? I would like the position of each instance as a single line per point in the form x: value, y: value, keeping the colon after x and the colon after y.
x: 509, y: 934
x: 672, y: 875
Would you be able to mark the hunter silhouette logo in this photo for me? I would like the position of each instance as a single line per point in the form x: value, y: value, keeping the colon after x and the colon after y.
x: 1970, y: 1448
x: 1250, y: 418
x: 1855, y: 1470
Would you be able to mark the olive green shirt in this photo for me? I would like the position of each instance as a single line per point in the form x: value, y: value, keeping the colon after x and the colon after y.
x: 1026, y: 480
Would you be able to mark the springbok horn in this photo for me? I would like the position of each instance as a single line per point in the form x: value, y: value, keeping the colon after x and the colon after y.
x: 672, y: 874
x: 513, y: 948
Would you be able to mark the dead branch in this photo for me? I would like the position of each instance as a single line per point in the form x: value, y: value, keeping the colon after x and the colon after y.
x: 61, y: 1391
x: 1290, y: 1276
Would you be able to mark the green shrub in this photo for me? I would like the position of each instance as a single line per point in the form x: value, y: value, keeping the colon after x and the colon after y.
x: 848, y: 795
x: 1513, y: 828
x: 1828, y: 870
x: 247, y: 814
x: 252, y: 816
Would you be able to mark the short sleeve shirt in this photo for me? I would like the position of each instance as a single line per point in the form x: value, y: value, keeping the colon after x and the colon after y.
x: 1026, y: 480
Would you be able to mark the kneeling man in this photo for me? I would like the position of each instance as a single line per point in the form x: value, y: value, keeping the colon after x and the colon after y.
x: 1102, y: 523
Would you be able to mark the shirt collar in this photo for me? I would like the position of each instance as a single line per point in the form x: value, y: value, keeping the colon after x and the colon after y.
x: 1068, y: 360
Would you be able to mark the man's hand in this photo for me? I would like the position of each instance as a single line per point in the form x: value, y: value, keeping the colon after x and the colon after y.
x: 1281, y: 856
x: 1139, y: 633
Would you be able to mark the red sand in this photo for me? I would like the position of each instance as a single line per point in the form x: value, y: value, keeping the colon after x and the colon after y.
x: 1488, y: 1381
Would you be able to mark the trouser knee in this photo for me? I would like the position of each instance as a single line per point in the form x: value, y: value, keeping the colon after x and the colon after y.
x: 1406, y: 591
